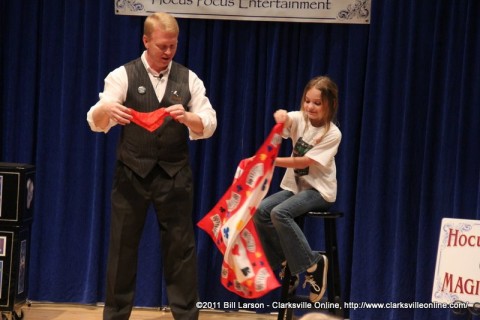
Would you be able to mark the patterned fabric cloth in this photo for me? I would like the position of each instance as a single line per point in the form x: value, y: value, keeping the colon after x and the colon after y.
x: 149, y: 120
x: 245, y: 269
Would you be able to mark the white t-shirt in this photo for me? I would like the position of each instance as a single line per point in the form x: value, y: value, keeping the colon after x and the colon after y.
x: 322, y: 175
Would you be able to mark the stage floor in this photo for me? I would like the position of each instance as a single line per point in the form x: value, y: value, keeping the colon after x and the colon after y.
x: 58, y: 311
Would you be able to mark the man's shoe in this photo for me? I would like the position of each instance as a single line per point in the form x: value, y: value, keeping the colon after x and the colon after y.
x: 317, y: 280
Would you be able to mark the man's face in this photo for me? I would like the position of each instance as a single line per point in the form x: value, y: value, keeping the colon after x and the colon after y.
x: 161, y: 48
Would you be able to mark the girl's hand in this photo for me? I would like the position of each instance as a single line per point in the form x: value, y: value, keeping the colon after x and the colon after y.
x: 280, y: 116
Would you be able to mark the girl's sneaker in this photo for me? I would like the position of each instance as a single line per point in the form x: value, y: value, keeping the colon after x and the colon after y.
x: 317, y: 280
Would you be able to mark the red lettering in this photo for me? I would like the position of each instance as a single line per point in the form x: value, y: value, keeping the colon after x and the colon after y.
x: 472, y: 243
x: 469, y: 287
x: 452, y: 233
x: 462, y: 240
x: 447, y: 281
x: 459, y: 285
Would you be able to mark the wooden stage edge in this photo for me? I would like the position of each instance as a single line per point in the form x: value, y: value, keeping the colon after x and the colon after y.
x: 35, y: 310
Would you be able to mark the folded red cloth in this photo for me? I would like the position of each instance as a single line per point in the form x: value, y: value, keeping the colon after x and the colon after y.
x: 149, y: 120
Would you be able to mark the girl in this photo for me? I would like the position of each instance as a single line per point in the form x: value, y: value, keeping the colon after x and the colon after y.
x: 309, y: 184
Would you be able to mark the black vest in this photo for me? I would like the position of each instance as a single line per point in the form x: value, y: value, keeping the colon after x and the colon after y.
x: 141, y: 150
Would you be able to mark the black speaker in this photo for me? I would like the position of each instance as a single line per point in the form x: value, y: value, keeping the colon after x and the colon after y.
x: 14, y: 254
x: 17, y: 185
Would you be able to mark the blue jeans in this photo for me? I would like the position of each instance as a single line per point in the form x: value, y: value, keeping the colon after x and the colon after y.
x: 281, y: 237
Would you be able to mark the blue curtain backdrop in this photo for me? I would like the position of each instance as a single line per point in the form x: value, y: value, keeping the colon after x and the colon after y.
x: 409, y: 112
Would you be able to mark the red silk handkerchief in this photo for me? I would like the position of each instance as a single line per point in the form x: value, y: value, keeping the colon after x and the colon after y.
x: 245, y: 269
x: 149, y: 120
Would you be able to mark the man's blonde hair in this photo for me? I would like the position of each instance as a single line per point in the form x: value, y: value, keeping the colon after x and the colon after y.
x: 161, y: 20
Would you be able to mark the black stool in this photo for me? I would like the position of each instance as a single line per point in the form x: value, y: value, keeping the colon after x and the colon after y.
x: 333, y: 275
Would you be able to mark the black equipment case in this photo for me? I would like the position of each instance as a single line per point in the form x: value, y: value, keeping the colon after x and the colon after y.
x: 17, y: 184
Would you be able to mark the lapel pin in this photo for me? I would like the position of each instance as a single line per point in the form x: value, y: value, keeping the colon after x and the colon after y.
x: 141, y: 90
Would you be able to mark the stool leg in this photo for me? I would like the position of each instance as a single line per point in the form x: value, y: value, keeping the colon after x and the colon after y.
x: 285, y: 313
x: 333, y: 285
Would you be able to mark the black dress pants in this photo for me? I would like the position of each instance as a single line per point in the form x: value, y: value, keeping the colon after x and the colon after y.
x: 172, y: 198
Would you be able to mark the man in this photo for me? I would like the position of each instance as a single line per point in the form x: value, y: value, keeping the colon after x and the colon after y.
x: 153, y: 167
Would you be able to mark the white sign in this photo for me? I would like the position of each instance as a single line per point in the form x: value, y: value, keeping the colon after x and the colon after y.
x: 321, y: 11
x: 1, y: 193
x: 457, y: 273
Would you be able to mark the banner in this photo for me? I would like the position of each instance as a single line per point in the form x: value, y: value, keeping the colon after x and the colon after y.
x: 457, y: 275
x: 319, y: 11
x: 245, y: 269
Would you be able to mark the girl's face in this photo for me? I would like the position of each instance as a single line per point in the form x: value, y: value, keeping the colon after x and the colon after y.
x: 313, y: 106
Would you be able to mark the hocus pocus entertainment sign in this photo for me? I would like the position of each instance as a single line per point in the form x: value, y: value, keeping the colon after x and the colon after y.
x: 321, y: 11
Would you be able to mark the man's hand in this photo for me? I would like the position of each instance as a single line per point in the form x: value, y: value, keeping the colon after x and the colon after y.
x: 178, y: 113
x: 116, y: 112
